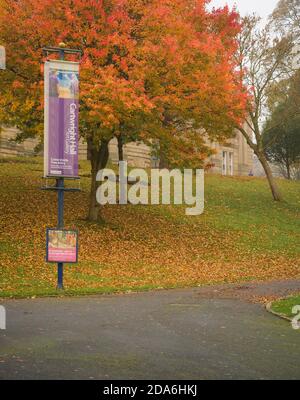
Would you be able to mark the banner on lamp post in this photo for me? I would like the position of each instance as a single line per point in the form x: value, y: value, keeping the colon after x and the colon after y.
x: 2, y: 57
x: 61, y: 134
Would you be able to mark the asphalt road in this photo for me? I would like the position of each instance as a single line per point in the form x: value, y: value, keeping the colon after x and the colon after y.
x: 179, y: 334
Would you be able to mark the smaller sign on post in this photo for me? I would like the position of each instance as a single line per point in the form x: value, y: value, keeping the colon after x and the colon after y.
x: 2, y: 58
x: 62, y: 246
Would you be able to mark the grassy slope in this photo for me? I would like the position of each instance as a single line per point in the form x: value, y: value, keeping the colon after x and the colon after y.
x: 286, y: 306
x: 243, y: 235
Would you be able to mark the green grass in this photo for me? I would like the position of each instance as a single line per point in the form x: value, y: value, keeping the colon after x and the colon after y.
x: 34, y: 292
x: 243, y: 235
x: 285, y: 306
x: 244, y: 205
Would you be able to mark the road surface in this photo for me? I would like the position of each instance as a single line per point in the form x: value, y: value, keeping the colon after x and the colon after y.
x: 203, y: 333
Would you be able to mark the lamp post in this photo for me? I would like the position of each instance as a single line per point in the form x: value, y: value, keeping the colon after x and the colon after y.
x: 60, y: 183
x: 62, y: 50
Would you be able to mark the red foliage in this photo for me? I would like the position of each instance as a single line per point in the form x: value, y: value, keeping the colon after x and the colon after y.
x: 164, y: 67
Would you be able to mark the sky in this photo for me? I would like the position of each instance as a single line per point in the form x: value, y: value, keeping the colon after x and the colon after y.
x: 261, y: 7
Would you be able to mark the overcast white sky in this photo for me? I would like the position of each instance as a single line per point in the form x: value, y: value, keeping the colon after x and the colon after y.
x: 261, y: 7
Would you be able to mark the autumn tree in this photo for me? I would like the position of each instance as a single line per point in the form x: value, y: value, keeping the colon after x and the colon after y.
x: 266, y: 60
x: 282, y: 144
x: 286, y: 18
x: 152, y: 69
x: 281, y: 137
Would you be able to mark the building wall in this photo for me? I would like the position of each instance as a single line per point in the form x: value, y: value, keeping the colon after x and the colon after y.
x: 136, y: 154
x: 139, y: 154
x: 9, y: 148
x: 242, y: 157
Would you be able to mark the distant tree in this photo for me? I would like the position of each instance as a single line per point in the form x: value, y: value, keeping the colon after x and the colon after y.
x: 286, y: 17
x: 281, y: 138
x: 266, y: 59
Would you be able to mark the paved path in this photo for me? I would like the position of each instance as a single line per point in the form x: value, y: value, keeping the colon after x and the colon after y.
x: 204, y: 333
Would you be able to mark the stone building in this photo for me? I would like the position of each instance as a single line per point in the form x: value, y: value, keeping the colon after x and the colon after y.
x: 234, y: 158
x: 9, y: 148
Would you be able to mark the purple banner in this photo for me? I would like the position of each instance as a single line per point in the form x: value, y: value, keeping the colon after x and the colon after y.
x: 2, y: 58
x: 61, y: 119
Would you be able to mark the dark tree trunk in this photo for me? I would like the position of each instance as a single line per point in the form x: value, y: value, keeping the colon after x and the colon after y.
x: 163, y: 163
x: 273, y: 185
x: 120, y: 148
x: 288, y: 170
x: 99, y: 159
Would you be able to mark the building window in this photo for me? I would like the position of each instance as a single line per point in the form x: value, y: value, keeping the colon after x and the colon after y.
x: 224, y: 163
x: 230, y: 164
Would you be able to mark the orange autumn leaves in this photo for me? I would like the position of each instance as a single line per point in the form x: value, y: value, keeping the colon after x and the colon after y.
x: 151, y: 69
x: 138, y: 247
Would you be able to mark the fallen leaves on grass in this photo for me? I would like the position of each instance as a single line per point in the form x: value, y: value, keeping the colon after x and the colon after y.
x: 139, y: 247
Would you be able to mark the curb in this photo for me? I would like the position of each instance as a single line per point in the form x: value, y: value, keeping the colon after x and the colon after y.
x: 282, y: 316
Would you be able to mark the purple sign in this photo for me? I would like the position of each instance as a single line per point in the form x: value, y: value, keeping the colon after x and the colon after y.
x: 61, y: 119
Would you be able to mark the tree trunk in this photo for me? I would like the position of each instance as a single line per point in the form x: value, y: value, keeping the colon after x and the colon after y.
x: 99, y: 159
x: 288, y: 170
x: 163, y: 164
x: 273, y: 185
x: 120, y: 148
